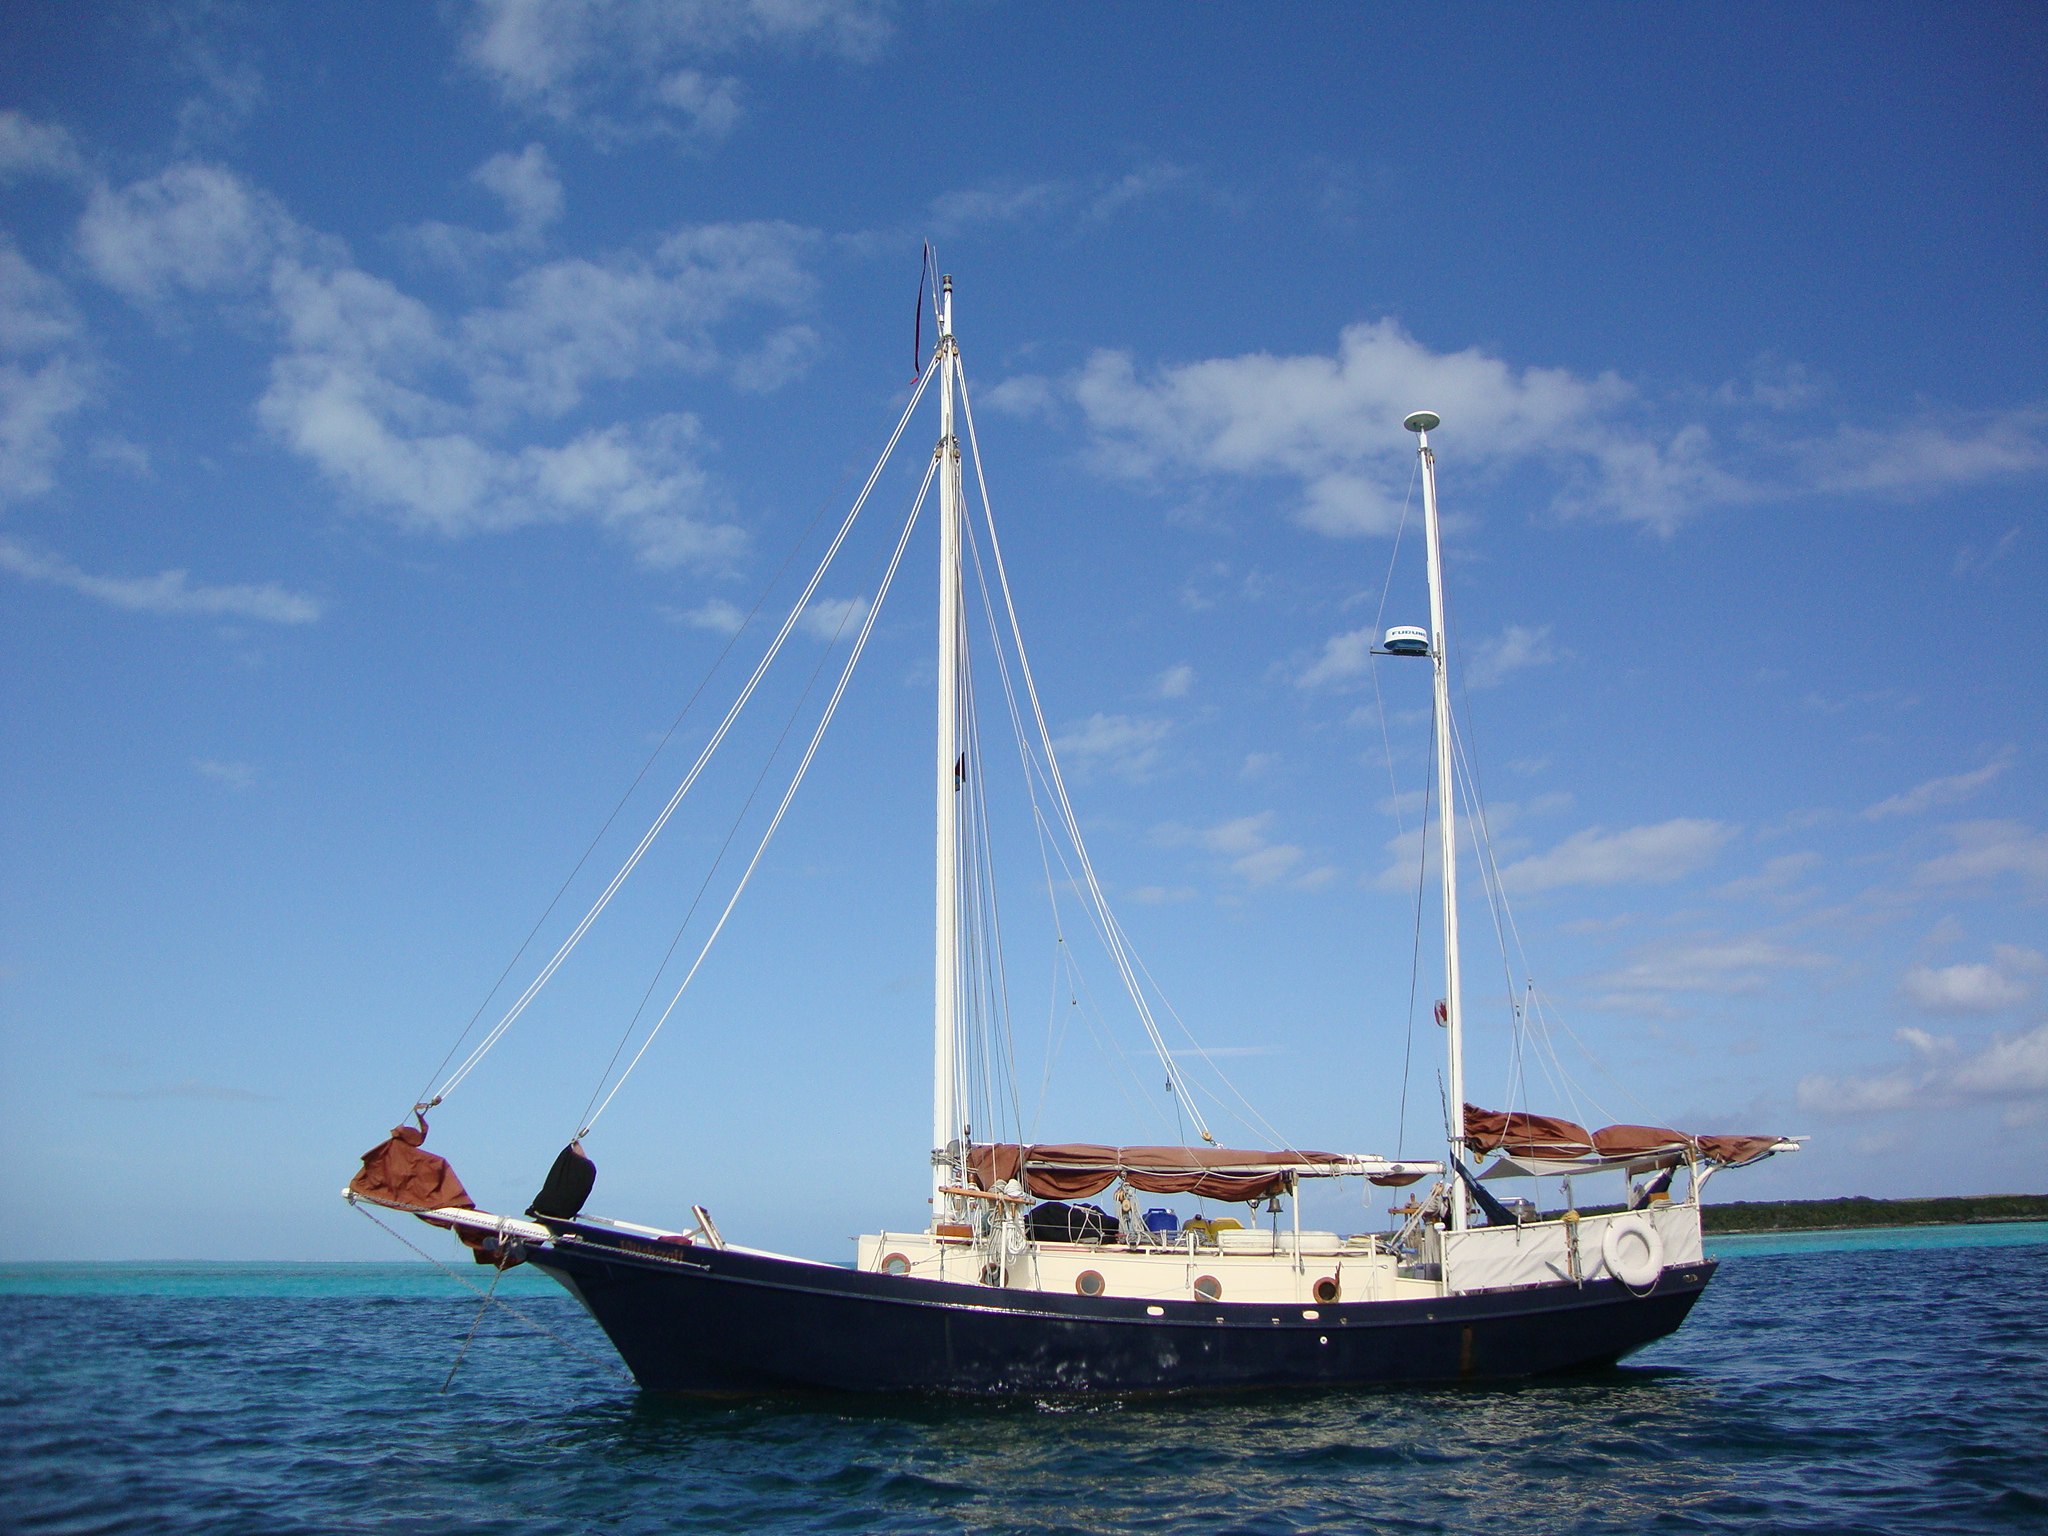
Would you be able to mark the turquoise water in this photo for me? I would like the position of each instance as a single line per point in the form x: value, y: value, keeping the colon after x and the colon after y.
x: 1886, y: 1381
x: 428, y: 1283
x: 1988, y: 1234
x: 224, y: 1280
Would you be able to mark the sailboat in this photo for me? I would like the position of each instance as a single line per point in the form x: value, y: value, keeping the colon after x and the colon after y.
x: 1011, y: 1285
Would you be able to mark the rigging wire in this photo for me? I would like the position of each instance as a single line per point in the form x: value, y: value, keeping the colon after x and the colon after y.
x: 1098, y: 1022
x: 811, y: 751
x: 990, y: 972
x: 704, y: 756
x: 718, y: 862
x: 1108, y: 931
x: 652, y: 757
x: 1530, y: 1020
x: 1415, y: 954
x: 1071, y: 823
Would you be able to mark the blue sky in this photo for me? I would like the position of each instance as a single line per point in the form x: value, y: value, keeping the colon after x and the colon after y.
x: 397, y: 403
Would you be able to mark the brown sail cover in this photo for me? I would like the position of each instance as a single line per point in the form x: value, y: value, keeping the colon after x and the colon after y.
x: 1518, y: 1134
x: 397, y: 1172
x: 1075, y: 1171
x: 1635, y: 1140
x: 1736, y: 1149
x: 1523, y: 1135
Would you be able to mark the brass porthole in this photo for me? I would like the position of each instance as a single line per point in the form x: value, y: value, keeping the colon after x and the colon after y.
x: 896, y: 1264
x: 1209, y: 1288
x: 1089, y: 1283
x: 1327, y: 1289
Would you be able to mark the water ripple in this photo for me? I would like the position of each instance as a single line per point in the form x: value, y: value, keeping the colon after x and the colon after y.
x: 1883, y: 1391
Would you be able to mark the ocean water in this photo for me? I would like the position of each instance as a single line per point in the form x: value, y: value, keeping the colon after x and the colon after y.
x: 1882, y: 1382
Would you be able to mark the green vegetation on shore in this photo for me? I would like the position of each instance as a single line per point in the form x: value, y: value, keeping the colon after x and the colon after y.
x: 1862, y: 1211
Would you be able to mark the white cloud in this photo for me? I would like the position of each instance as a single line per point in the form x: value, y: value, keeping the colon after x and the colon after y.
x: 1656, y: 854
x: 829, y: 618
x: 1932, y: 453
x: 1127, y: 744
x: 1251, y: 855
x: 169, y: 593
x: 1985, y: 850
x: 1961, y: 989
x: 624, y: 69
x: 568, y: 325
x: 1245, y: 834
x: 1407, y: 852
x: 784, y: 355
x: 719, y: 615
x: 45, y: 375
x: 1945, y: 791
x: 2011, y: 1066
x: 526, y: 184
x: 711, y: 103
x: 2015, y: 961
x: 410, y: 410
x: 1976, y: 988
x: 951, y: 213
x: 531, y: 192
x: 30, y: 148
x: 1024, y: 394
x: 1258, y: 764
x: 121, y: 453
x: 2011, y: 1069
x: 1709, y: 963
x: 234, y: 775
x: 1344, y: 657
x: 1174, y: 682
x: 1515, y: 649
x: 1772, y: 879
x: 1006, y: 202
x: 194, y: 227
x: 1332, y: 424
x: 1136, y: 186
x: 1265, y: 865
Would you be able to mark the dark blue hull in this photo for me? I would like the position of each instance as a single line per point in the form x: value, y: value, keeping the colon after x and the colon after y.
x: 713, y: 1321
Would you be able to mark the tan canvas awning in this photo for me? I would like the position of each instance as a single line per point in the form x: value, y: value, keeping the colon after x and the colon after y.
x: 1076, y: 1170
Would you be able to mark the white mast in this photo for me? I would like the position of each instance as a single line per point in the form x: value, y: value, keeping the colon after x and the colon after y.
x: 1446, y: 803
x: 945, y: 981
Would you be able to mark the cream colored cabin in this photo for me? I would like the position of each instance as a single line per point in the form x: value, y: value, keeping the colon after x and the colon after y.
x: 1258, y: 1267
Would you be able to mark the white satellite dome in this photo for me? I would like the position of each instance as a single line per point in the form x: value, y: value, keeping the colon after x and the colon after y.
x: 1408, y: 640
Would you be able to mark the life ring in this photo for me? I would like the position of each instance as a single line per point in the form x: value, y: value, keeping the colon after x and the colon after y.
x: 1632, y: 1251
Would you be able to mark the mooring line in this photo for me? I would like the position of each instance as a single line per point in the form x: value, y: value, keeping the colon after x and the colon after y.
x: 540, y: 1328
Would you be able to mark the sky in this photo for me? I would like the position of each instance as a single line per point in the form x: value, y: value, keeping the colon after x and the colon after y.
x: 402, y: 407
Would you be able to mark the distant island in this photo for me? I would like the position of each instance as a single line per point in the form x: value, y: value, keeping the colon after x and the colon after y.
x: 1862, y: 1211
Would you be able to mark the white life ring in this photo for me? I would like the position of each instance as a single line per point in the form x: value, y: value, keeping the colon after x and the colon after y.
x: 1632, y: 1251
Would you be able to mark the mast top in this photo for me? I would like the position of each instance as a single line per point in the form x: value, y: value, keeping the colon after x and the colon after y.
x: 1423, y: 421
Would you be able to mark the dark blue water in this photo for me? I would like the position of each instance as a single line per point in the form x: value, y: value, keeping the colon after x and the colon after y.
x: 1887, y: 1389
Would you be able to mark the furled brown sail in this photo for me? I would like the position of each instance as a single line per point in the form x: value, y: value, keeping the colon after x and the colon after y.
x: 1077, y: 1170
x: 1544, y: 1136
x: 397, y: 1172
x: 1525, y: 1135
